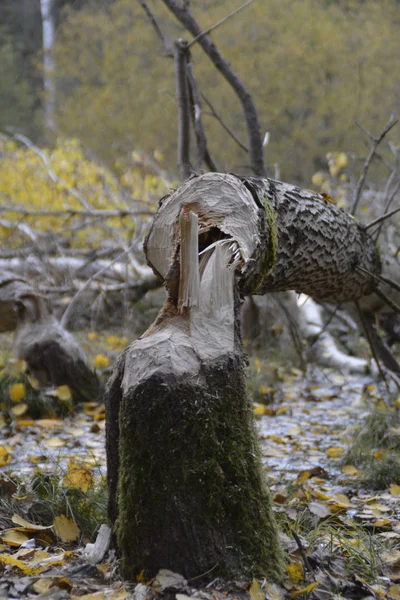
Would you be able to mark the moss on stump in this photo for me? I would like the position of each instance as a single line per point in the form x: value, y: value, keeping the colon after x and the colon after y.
x: 191, y: 493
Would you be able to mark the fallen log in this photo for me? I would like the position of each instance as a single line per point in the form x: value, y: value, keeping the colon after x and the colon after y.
x: 186, y: 489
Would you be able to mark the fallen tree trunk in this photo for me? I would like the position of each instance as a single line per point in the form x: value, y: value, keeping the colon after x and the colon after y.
x: 186, y: 490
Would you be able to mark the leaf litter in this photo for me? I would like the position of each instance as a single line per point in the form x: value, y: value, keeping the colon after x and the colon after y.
x: 342, y: 539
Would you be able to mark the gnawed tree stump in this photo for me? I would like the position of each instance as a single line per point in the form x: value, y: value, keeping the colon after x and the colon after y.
x: 186, y: 489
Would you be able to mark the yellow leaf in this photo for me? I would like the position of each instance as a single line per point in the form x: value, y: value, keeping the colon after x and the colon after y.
x: 49, y: 423
x: 17, y: 520
x: 41, y: 586
x: 258, y: 409
x: 19, y: 409
x: 64, y: 393
x: 66, y: 529
x: 295, y: 572
x: 394, y: 489
x: 112, y: 340
x: 382, y: 522
x: 350, y: 470
x: 5, y: 456
x: 78, y: 477
x: 303, y: 476
x: 379, y: 454
x: 12, y: 537
x: 16, y: 392
x: 92, y: 335
x: 342, y: 501
x: 33, y: 382
x: 26, y: 423
x: 101, y: 361
x: 306, y: 590
x: 255, y: 591
x: 334, y: 452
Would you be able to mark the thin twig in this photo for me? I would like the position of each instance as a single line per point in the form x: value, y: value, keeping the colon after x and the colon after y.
x: 68, y: 310
x: 380, y: 278
x: 224, y: 125
x: 385, y: 210
x: 382, y: 218
x: 376, y: 141
x: 304, y: 556
x: 202, y: 149
x: 207, y: 31
x: 388, y: 301
x: 167, y: 46
x: 76, y: 213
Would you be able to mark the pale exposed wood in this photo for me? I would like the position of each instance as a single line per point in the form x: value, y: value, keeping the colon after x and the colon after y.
x: 97, y: 551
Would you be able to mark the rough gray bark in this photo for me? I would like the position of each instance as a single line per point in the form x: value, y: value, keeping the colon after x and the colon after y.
x: 184, y: 474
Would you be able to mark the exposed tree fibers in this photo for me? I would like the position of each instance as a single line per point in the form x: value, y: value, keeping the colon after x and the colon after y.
x: 190, y: 472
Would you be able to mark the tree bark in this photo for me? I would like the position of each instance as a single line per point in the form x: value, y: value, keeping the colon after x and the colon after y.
x: 186, y: 490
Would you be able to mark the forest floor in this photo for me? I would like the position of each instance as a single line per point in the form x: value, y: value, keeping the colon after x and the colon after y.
x: 332, y: 468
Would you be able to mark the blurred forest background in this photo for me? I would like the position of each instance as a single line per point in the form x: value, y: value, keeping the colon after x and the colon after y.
x: 313, y: 67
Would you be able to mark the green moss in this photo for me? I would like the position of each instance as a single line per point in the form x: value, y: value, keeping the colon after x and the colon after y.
x: 268, y: 259
x: 191, y: 495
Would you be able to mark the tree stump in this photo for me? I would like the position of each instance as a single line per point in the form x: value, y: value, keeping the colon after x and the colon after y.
x: 186, y: 489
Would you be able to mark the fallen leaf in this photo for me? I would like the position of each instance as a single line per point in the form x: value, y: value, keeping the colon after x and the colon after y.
x: 78, y: 477
x: 19, y: 409
x: 66, y: 529
x: 41, y: 586
x: 350, y: 470
x: 342, y: 501
x: 394, y: 489
x: 12, y: 537
x: 5, y: 456
x: 64, y: 393
x: 295, y: 572
x: 17, y: 520
x: 54, y: 442
x: 255, y: 591
x: 334, y: 452
x: 16, y: 392
x: 319, y: 509
x: 101, y: 361
x: 306, y: 590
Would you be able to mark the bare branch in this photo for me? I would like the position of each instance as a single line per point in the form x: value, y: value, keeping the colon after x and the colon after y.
x: 207, y: 31
x: 105, y: 214
x: 383, y: 217
x: 182, y: 97
x: 380, y: 278
x: 376, y: 141
x: 169, y: 51
x: 202, y: 150
x: 224, y: 125
x: 67, y: 313
x: 388, y: 301
x: 367, y: 331
x: 256, y: 152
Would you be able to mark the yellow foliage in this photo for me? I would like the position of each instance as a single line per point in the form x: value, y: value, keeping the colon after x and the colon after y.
x: 101, y: 361
x: 78, y: 477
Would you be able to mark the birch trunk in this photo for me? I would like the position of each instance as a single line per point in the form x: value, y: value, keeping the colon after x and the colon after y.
x: 186, y: 491
x: 49, y: 67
